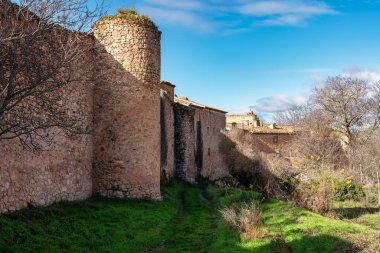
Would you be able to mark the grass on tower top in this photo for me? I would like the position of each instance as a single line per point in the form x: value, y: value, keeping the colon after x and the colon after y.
x: 130, y: 14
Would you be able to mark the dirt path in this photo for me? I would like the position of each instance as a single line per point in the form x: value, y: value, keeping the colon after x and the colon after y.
x: 193, y: 228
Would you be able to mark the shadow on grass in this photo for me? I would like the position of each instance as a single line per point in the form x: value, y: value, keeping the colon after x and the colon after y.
x: 355, y: 212
x: 308, y: 244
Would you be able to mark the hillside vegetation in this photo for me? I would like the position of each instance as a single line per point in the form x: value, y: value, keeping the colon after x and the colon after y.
x: 188, y: 220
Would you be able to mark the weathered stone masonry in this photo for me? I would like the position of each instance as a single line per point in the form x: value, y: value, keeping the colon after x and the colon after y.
x: 197, y: 139
x: 184, y: 147
x: 62, y: 174
x: 167, y: 136
x: 138, y: 132
x: 127, y: 109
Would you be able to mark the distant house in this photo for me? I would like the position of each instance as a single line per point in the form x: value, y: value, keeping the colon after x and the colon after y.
x: 244, y: 121
x: 274, y: 137
x: 190, y: 137
x: 270, y: 138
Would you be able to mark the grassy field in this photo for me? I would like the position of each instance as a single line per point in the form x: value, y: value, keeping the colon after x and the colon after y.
x: 186, y: 221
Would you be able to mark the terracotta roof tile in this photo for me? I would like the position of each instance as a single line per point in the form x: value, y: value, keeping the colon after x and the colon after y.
x: 279, y: 129
x: 187, y: 102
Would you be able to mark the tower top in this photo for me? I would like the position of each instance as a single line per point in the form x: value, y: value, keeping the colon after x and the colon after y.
x: 131, y: 16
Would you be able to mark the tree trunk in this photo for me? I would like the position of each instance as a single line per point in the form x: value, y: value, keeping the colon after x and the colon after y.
x: 361, y: 173
x: 378, y: 187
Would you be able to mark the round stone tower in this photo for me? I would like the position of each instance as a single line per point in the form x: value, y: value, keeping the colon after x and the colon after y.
x: 127, y: 106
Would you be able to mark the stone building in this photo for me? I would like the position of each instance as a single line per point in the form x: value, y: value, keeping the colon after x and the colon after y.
x: 138, y: 134
x: 244, y: 121
x: 273, y: 138
x: 197, y: 136
x: 269, y: 138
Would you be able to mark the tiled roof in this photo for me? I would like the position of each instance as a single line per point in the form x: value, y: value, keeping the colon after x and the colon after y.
x: 187, y: 102
x: 167, y: 83
x: 279, y: 129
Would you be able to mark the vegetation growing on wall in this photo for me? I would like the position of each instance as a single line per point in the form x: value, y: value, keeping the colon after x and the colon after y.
x: 130, y: 15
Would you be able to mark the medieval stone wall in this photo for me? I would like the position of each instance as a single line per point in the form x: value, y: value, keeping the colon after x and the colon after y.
x: 117, y: 94
x: 66, y: 172
x: 167, y: 137
x: 184, y: 146
x: 272, y: 142
x: 127, y: 109
x: 211, y: 124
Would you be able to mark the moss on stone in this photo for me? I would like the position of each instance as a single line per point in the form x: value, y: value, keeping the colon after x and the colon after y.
x: 132, y: 15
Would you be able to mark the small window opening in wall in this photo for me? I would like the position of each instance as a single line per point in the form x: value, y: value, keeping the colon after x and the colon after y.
x: 209, y: 151
x: 275, y: 139
x: 208, y: 130
x: 213, y: 131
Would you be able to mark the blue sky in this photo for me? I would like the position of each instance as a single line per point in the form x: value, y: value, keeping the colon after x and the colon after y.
x: 233, y: 54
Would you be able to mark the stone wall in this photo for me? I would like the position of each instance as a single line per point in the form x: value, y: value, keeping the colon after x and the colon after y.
x: 30, y: 179
x: 117, y: 94
x: 210, y: 124
x: 65, y: 173
x: 184, y: 146
x: 197, y: 141
x: 169, y: 88
x: 127, y: 109
x: 272, y: 142
x: 167, y: 136
x: 245, y: 121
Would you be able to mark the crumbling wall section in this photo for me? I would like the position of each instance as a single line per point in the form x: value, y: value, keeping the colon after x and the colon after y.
x: 184, y: 146
x: 167, y: 137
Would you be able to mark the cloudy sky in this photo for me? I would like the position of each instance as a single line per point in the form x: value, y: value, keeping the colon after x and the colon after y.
x: 234, y: 54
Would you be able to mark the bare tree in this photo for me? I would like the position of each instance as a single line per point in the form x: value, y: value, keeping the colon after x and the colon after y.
x: 366, y: 156
x: 349, y: 105
x: 293, y: 116
x: 40, y: 42
x: 317, y: 143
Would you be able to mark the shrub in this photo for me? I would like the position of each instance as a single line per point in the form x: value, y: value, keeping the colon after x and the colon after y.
x: 127, y: 11
x: 246, y: 219
x: 289, y: 182
x: 315, y: 195
x: 257, y: 171
x: 227, y: 182
x: 132, y: 15
x: 370, y: 195
x: 348, y: 190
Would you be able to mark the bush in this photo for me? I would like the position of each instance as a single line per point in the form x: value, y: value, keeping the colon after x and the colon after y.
x: 289, y: 183
x: 227, y: 182
x: 253, y: 169
x: 315, y: 195
x: 246, y: 219
x: 348, y: 190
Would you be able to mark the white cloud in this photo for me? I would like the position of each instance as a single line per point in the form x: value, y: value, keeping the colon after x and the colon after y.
x: 354, y: 71
x: 184, y: 4
x: 226, y: 17
x: 267, y: 8
x: 278, y: 103
x: 285, y: 20
x: 266, y: 107
x: 295, y: 70
x: 285, y: 13
x: 178, y: 17
x: 368, y: 74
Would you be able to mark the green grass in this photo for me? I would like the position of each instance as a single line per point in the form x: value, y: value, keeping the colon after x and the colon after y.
x: 357, y: 212
x: 186, y: 221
